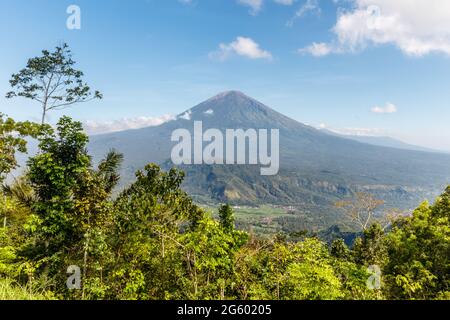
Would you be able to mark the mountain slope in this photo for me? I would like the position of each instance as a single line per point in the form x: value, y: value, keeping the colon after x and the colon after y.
x: 316, y: 168
x: 381, y: 141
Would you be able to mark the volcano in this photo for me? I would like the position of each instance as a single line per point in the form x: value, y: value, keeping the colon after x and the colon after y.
x: 316, y: 168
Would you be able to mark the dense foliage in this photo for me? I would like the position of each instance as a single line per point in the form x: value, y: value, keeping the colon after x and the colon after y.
x: 52, y: 81
x: 12, y: 140
x: 152, y: 242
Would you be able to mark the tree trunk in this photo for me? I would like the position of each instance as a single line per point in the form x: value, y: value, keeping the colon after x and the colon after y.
x: 5, y: 210
x: 43, y: 116
x: 85, y: 257
x: 84, y: 270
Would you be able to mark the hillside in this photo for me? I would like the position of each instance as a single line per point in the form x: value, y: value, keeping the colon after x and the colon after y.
x: 381, y: 141
x: 316, y: 168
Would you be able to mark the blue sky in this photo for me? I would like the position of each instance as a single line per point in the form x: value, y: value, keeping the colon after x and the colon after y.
x: 352, y: 66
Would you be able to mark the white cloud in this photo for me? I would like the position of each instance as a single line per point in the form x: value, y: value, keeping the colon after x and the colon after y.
x: 242, y: 46
x: 317, y: 49
x: 186, y: 116
x: 98, y: 127
x: 388, y: 108
x: 308, y: 6
x: 255, y: 5
x: 416, y: 27
x: 352, y: 131
x: 361, y: 132
x: 285, y: 2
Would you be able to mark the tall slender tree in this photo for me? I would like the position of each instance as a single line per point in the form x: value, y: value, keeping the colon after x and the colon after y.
x: 360, y: 210
x: 52, y: 81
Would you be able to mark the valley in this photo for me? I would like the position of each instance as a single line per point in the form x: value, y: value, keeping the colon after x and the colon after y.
x: 316, y: 168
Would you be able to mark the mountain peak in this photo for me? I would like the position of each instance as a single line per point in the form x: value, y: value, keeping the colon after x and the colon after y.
x: 233, y: 109
x: 230, y: 94
x: 232, y: 104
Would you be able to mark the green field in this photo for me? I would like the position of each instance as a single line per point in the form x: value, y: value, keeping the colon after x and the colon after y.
x: 261, y: 220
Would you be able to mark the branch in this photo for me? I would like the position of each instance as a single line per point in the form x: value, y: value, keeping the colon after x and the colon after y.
x: 58, y: 83
x: 67, y: 104
x: 369, y: 216
x: 38, y: 99
x: 46, y: 93
x: 63, y: 105
x: 170, y: 238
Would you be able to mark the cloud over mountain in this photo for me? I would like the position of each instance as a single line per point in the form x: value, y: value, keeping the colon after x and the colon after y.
x: 388, y: 108
x: 416, y: 27
x: 99, y: 127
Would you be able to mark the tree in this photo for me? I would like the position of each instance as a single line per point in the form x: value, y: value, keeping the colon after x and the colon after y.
x: 340, y: 250
x: 72, y: 208
x: 353, y: 278
x: 54, y: 174
x: 370, y: 249
x: 52, y: 81
x: 360, y: 210
x: 21, y: 191
x: 419, y: 253
x: 288, y: 271
x: 148, y: 253
x: 226, y: 217
x: 108, y: 169
x: 13, y: 139
x: 310, y: 276
x: 210, y: 252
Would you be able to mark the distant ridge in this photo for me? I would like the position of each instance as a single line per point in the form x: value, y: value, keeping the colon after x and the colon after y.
x: 317, y: 168
x: 383, y: 141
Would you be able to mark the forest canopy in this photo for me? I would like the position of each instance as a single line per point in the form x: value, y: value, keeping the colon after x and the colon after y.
x: 65, y: 235
x: 68, y: 232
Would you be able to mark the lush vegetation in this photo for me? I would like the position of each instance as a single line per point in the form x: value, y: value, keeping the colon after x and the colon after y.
x: 65, y: 234
x: 152, y: 242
